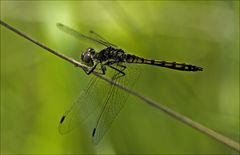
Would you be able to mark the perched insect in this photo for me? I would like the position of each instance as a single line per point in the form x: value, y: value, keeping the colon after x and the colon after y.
x: 104, y: 102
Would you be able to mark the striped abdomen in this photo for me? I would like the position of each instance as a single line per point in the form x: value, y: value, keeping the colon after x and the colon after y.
x: 167, y: 64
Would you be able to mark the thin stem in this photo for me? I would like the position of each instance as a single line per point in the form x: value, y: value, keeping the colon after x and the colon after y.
x: 199, y: 127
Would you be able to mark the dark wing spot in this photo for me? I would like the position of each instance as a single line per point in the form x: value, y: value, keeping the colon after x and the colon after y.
x: 62, y: 119
x: 94, y: 131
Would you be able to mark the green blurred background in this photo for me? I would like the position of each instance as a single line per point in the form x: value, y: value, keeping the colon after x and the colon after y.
x: 37, y: 87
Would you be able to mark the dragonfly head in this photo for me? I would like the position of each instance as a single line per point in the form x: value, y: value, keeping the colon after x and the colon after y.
x: 87, y: 57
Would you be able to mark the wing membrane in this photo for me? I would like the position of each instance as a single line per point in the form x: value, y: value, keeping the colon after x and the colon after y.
x: 85, y: 108
x: 79, y: 35
x: 114, y: 103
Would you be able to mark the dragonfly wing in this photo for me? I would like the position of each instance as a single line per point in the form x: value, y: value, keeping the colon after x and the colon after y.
x: 103, y: 39
x: 114, y: 103
x: 79, y: 35
x: 84, y: 107
x: 99, y: 102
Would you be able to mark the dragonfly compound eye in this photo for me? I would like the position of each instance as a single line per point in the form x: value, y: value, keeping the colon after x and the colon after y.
x: 87, y: 59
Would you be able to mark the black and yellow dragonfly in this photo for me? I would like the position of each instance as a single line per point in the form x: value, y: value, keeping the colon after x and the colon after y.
x: 99, y: 102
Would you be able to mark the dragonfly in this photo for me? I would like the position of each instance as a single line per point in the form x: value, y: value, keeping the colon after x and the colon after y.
x: 101, y: 103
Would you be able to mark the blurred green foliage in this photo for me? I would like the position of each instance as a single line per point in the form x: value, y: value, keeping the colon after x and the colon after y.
x: 37, y: 87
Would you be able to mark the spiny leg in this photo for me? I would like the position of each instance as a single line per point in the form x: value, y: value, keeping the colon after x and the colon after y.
x: 89, y: 71
x: 103, y: 68
x: 120, y: 72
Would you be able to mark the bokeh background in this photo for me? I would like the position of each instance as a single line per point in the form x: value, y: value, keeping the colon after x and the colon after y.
x: 37, y: 87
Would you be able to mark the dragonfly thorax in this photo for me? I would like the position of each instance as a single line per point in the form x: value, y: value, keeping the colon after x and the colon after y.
x: 87, y: 57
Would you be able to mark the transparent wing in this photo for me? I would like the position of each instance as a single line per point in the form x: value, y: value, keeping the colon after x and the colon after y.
x: 85, y: 107
x: 98, y: 104
x: 101, y: 38
x: 79, y: 35
x: 114, y: 102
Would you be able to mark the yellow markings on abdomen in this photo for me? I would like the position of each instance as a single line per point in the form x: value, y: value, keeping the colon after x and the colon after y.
x: 168, y: 64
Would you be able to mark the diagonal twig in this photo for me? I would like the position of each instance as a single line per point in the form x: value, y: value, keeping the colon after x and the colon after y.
x: 199, y: 127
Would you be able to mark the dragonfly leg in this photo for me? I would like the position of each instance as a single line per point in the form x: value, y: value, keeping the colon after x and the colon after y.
x: 103, y: 69
x: 89, y: 71
x: 119, y: 70
x: 119, y: 73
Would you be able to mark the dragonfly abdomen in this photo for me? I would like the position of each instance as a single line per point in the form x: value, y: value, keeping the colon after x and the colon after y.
x: 167, y: 64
